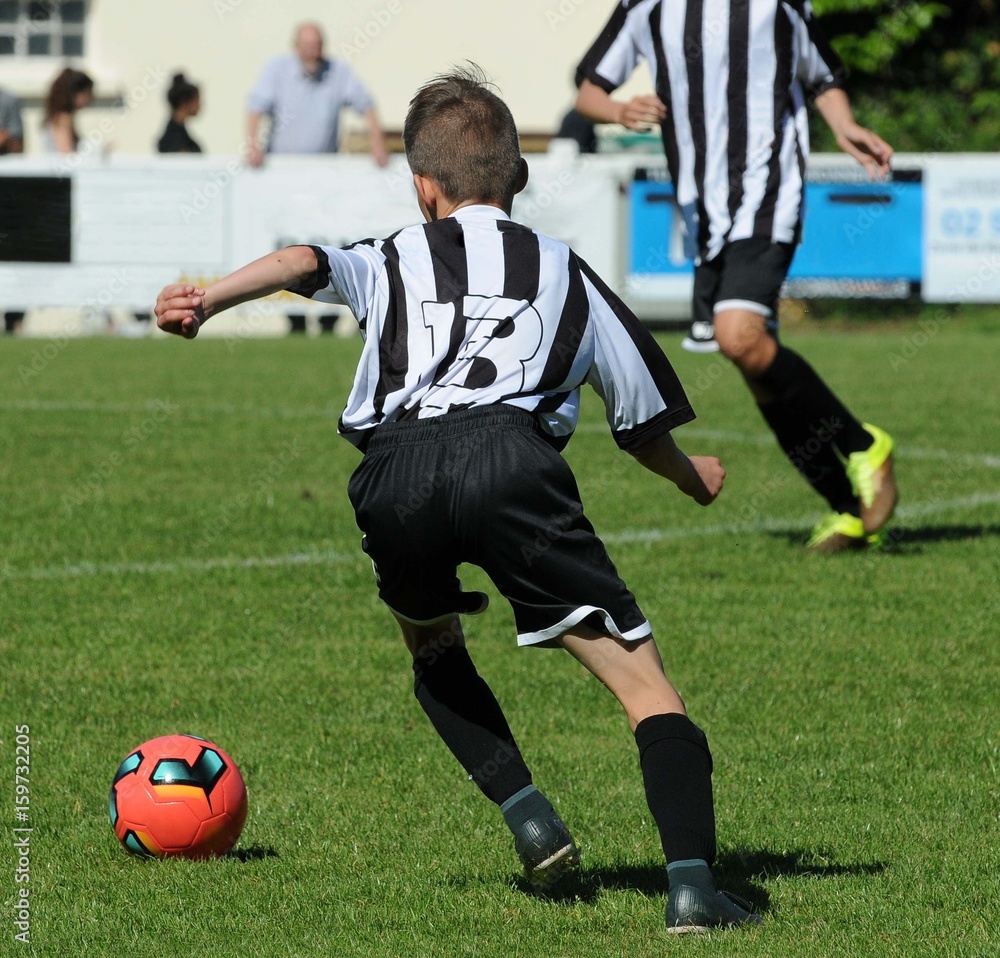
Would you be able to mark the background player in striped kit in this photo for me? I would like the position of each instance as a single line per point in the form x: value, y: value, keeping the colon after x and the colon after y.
x: 730, y: 79
x: 479, y: 333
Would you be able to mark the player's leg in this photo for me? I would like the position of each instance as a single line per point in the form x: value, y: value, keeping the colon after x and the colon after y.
x: 541, y: 551
x: 677, y: 774
x: 467, y: 716
x: 810, y: 422
x: 463, y: 709
x: 808, y: 446
x: 403, y: 504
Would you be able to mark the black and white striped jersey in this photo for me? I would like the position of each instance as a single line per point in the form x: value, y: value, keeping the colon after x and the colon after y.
x: 475, y: 310
x: 733, y: 75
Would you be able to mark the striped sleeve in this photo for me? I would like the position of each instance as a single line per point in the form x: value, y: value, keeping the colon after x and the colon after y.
x: 819, y: 68
x: 346, y: 276
x: 614, y: 55
x: 642, y: 395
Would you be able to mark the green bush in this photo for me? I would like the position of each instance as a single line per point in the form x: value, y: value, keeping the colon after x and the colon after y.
x: 926, y: 76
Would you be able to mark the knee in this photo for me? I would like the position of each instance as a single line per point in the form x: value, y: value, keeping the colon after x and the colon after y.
x: 426, y: 641
x: 747, y: 344
x: 435, y: 650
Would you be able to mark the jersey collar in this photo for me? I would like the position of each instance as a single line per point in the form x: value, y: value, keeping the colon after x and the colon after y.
x: 478, y: 212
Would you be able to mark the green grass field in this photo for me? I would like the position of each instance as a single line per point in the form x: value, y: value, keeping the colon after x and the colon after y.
x: 178, y: 554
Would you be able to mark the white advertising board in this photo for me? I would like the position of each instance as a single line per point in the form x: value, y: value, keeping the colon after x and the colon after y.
x: 962, y: 229
x: 141, y: 223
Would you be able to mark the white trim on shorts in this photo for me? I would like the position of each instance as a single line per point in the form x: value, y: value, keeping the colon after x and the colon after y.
x: 438, y: 618
x: 748, y: 304
x: 575, y: 618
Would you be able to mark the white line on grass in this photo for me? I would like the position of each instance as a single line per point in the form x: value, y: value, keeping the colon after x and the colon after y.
x: 915, y: 510
x: 765, y: 439
x: 222, y: 409
x: 89, y: 569
x: 332, y: 412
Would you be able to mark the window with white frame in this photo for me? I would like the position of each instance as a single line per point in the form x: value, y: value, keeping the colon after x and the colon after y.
x: 42, y: 28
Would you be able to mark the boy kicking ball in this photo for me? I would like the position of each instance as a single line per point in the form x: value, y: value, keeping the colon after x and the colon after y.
x: 479, y: 333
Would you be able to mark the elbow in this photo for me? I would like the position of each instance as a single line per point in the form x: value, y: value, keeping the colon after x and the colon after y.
x: 298, y: 264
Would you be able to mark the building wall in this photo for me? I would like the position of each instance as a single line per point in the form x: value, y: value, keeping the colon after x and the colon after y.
x: 530, y: 48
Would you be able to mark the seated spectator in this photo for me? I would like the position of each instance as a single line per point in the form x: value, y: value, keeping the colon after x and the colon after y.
x: 185, y: 102
x: 72, y: 90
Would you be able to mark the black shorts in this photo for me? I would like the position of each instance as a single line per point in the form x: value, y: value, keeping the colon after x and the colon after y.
x: 483, y: 486
x: 747, y: 274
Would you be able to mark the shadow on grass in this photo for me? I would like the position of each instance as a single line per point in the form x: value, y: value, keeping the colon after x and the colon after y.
x: 909, y: 541
x: 739, y: 871
x: 931, y: 534
x: 254, y: 854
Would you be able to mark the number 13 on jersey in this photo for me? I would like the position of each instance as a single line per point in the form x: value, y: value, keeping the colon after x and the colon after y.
x: 496, y: 341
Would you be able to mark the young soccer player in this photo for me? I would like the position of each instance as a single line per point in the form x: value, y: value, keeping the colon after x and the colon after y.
x: 479, y: 334
x: 731, y: 80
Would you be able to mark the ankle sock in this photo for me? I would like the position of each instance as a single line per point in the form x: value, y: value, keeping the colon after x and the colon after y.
x: 693, y: 871
x: 526, y: 804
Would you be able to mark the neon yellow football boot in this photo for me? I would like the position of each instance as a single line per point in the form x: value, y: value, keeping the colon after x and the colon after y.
x: 837, y: 532
x: 872, y: 480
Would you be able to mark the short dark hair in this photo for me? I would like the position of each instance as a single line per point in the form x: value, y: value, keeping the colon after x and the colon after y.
x: 461, y: 134
x: 181, y: 91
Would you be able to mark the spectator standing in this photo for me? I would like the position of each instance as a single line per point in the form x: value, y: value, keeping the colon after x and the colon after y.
x: 11, y: 141
x: 184, y: 99
x: 11, y: 125
x: 72, y: 90
x: 303, y: 93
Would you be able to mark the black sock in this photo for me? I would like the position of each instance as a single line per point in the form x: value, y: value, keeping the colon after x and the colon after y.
x: 796, y: 385
x: 467, y: 716
x: 812, y: 455
x: 677, y: 773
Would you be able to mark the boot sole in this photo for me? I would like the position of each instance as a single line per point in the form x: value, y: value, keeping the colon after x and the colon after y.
x: 548, y: 872
x: 875, y: 516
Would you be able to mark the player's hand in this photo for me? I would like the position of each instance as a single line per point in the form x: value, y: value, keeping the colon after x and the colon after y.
x: 255, y: 156
x: 868, y: 148
x: 180, y: 310
x: 642, y: 112
x: 710, y: 477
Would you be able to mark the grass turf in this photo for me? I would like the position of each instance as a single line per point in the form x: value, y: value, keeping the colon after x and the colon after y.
x: 179, y: 555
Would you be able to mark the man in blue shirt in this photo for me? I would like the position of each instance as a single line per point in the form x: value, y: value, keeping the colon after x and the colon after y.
x: 303, y: 93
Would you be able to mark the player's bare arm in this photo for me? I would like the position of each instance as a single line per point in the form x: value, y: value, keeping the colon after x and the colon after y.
x: 868, y: 148
x: 640, y: 113
x: 181, y: 309
x: 700, y: 477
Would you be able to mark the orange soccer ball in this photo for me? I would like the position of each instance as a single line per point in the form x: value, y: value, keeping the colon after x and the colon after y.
x: 178, y: 795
